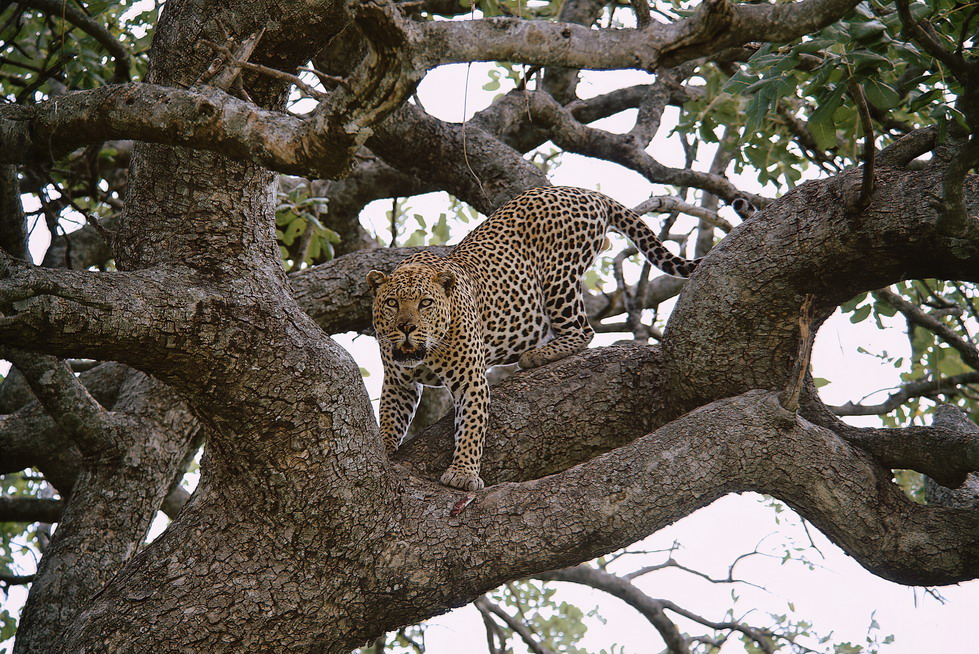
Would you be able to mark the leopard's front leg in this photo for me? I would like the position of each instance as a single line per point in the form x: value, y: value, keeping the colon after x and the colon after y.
x: 400, y: 395
x: 471, y: 400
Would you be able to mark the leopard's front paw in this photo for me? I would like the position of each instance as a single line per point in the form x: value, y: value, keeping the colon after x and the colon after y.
x: 391, y: 446
x: 461, y: 479
x: 530, y: 359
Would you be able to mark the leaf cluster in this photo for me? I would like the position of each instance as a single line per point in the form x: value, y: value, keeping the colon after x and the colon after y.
x: 303, y: 238
x: 794, y: 105
x: 44, y: 55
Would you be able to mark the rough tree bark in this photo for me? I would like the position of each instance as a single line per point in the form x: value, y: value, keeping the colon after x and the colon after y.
x: 302, y: 536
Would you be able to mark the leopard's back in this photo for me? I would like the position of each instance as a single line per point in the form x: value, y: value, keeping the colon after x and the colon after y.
x: 527, y: 261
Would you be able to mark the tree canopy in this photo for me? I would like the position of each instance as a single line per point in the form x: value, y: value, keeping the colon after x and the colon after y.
x: 220, y: 157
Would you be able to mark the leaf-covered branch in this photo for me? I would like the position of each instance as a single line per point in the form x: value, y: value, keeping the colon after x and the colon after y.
x: 72, y: 14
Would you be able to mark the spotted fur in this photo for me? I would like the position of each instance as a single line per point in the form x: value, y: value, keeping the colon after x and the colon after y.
x: 510, y: 292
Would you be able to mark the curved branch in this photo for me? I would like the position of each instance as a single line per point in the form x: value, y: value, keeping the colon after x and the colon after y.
x: 924, y: 34
x: 204, y: 118
x: 909, y: 147
x: 947, y: 455
x: 668, y: 204
x: 625, y: 590
x: 909, y: 391
x: 622, y: 149
x: 680, y: 467
x: 496, y: 172
x: 967, y: 495
x: 485, y: 606
x: 811, y: 248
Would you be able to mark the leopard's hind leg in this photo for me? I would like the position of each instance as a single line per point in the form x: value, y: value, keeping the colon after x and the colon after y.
x: 570, y: 327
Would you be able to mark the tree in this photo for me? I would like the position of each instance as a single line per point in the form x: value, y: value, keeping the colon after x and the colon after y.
x: 301, y: 535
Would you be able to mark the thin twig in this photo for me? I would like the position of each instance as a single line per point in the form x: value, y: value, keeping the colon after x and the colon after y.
x: 324, y: 78
x: 265, y: 70
x: 869, y: 151
x: 641, y: 7
x: 801, y: 367
x: 486, y: 606
x: 928, y: 388
x: 967, y: 350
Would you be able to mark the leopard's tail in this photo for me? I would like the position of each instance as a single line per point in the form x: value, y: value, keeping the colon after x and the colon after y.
x: 629, y: 224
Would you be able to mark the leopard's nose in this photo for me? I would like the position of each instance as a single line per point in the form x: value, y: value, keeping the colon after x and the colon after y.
x: 407, y: 328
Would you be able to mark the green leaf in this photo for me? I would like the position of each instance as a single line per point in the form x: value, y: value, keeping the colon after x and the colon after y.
x: 740, y: 82
x: 881, y: 95
x: 919, y: 10
x: 861, y: 314
x: 814, y: 45
x: 494, y: 83
x: 868, y: 31
x: 864, y: 60
x: 852, y: 303
x: 417, y: 238
x: 440, y: 230
x: 8, y: 625
x: 821, y: 124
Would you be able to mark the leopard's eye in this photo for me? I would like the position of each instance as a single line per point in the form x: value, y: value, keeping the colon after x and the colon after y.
x: 391, y: 302
x: 425, y: 303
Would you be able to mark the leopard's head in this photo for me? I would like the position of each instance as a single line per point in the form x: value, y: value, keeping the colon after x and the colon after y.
x: 412, y: 309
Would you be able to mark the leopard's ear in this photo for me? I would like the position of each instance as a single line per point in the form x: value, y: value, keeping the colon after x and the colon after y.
x: 374, y: 279
x: 447, y: 280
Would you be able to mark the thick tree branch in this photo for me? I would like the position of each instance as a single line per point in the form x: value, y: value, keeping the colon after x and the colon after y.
x: 13, y: 226
x: 714, y: 26
x: 846, y: 495
x: 946, y: 455
x: 30, y: 509
x: 38, y: 304
x: 204, y: 118
x: 30, y: 438
x: 814, y: 259
x: 66, y: 400
x: 498, y: 171
x: 952, y: 418
x: 150, y: 434
x: 909, y: 147
x: 207, y: 118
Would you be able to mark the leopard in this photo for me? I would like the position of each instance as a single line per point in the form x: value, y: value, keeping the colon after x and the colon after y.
x: 509, y: 292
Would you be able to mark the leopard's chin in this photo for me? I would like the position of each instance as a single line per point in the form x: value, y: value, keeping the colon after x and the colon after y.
x: 408, y: 353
